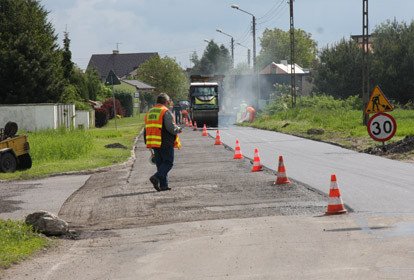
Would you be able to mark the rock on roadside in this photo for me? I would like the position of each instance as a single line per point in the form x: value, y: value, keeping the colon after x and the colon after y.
x: 47, y: 223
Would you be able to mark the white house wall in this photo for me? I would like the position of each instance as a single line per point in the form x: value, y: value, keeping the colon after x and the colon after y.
x: 32, y: 117
x: 82, y: 119
x: 44, y: 118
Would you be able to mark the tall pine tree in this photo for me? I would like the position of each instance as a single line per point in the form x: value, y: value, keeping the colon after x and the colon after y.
x: 67, y: 63
x: 215, y: 60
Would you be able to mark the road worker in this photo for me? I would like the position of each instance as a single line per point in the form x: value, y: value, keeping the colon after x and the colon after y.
x: 161, y: 135
x: 246, y: 114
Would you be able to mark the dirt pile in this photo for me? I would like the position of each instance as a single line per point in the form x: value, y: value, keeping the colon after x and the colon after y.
x: 403, y: 146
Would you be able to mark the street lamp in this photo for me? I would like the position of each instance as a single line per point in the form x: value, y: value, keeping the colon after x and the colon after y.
x: 232, y: 45
x: 248, y: 53
x: 253, y: 31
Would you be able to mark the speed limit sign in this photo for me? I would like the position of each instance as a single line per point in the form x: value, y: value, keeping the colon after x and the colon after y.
x: 381, y: 127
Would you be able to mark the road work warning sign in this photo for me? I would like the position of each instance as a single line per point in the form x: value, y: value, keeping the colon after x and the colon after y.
x: 378, y: 103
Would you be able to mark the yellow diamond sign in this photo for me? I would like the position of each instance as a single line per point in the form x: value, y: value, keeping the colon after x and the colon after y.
x: 378, y: 102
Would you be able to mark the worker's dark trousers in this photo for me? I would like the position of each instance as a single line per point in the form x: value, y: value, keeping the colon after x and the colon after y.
x: 164, y: 159
x: 177, y: 118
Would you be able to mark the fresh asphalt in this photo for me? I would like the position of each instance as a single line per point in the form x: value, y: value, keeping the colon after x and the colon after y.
x: 368, y: 183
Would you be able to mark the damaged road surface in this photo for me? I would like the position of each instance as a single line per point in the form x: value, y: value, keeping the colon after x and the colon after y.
x: 206, y: 184
x: 219, y: 221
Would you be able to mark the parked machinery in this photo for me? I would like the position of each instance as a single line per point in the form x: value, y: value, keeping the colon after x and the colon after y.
x: 14, y: 149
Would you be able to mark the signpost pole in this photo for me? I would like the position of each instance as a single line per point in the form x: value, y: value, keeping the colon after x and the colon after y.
x: 113, y: 98
x: 112, y: 79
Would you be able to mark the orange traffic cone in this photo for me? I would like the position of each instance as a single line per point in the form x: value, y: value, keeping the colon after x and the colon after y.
x: 204, y: 131
x: 281, y: 173
x: 257, y: 166
x: 237, y: 151
x: 190, y: 123
x: 218, y: 139
x: 186, y: 122
x: 335, y: 204
x: 195, y: 126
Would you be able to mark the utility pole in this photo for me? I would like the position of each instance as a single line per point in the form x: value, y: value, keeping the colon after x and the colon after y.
x: 256, y: 73
x: 253, y: 32
x: 292, y: 57
x: 248, y: 57
x: 231, y: 45
x: 248, y: 53
x: 232, y: 52
x: 254, y: 41
x: 365, y: 61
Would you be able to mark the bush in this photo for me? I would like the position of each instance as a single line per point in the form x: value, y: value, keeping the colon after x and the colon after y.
x: 127, y: 102
x: 109, y: 106
x: 101, y: 117
x: 318, y: 102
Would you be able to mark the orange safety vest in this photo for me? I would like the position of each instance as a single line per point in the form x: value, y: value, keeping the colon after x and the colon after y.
x: 153, y: 127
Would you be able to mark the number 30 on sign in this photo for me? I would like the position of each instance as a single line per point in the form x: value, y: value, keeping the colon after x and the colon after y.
x: 381, y: 127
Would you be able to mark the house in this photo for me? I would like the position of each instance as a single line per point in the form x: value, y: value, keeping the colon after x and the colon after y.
x: 140, y: 88
x: 280, y: 73
x: 359, y: 40
x: 123, y: 64
x: 282, y: 68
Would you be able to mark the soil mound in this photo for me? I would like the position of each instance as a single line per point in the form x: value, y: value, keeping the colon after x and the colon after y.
x: 403, y: 146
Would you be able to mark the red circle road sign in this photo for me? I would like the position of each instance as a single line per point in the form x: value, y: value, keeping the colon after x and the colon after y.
x: 381, y: 127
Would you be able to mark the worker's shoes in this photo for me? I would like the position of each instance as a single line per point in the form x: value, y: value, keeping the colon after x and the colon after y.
x: 155, y: 182
x: 165, y: 188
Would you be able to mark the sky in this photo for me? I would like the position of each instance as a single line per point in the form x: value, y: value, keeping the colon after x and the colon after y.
x: 177, y: 28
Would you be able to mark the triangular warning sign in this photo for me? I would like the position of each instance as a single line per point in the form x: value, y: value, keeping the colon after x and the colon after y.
x: 112, y: 79
x: 378, y: 102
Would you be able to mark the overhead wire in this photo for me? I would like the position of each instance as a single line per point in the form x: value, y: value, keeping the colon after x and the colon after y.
x: 271, y: 10
x: 271, y: 14
x: 277, y: 17
x: 245, y: 35
x: 276, y: 13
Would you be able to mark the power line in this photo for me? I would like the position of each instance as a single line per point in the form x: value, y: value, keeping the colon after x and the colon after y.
x: 277, y: 14
x: 245, y: 35
x: 271, y: 12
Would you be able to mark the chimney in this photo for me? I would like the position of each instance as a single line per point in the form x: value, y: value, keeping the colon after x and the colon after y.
x: 284, y: 62
x: 115, y: 52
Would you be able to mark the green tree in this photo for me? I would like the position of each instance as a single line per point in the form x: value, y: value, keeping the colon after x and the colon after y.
x: 78, y: 79
x: 275, y: 46
x: 30, y: 69
x: 194, y: 58
x: 392, y: 60
x: 339, y: 70
x: 215, y: 60
x: 165, y: 75
x: 94, y: 85
x: 83, y: 87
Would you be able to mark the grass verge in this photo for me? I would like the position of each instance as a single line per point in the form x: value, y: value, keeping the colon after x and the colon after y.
x: 59, y: 151
x: 340, y: 126
x: 17, y: 241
